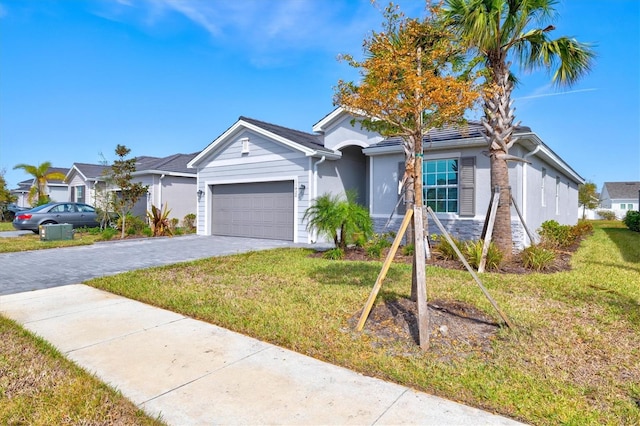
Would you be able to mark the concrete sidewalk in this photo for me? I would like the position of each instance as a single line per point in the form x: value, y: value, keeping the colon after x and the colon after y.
x: 193, y: 373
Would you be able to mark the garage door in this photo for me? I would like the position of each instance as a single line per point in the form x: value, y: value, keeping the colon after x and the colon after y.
x: 257, y: 210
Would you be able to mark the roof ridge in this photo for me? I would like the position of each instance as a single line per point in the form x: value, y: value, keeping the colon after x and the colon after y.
x: 245, y: 118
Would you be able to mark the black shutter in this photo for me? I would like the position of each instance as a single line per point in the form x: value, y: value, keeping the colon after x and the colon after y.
x: 402, y: 209
x: 467, y: 186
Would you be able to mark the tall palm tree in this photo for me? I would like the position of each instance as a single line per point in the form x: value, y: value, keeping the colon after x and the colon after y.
x: 497, y: 32
x: 41, y: 175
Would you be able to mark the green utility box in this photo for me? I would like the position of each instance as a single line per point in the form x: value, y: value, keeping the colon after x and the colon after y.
x: 62, y: 231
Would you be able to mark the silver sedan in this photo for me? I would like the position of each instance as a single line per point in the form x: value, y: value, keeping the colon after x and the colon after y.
x: 77, y: 214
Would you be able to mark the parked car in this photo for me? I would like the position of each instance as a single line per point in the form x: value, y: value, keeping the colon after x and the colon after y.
x: 8, y: 212
x: 77, y: 214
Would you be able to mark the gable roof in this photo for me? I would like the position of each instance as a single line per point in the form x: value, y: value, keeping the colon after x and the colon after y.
x: 309, y: 144
x: 622, y: 190
x: 88, y: 171
x: 62, y: 170
x: 175, y: 164
x: 28, y: 183
x: 471, y: 130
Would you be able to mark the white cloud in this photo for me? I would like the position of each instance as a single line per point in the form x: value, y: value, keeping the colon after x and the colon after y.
x: 268, y: 32
x: 543, y: 93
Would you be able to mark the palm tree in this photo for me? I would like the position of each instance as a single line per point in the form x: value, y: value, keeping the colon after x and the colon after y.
x: 497, y: 32
x: 41, y: 175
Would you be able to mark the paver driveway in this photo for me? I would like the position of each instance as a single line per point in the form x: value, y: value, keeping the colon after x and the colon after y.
x: 38, y: 269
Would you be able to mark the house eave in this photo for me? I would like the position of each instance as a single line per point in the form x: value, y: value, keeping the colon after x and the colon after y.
x: 240, y: 124
x: 550, y: 156
x: 163, y: 172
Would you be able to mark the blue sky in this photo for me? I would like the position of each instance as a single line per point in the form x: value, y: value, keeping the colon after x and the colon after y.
x: 167, y: 76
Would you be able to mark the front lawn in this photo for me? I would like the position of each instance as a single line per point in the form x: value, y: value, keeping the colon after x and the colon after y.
x: 6, y: 226
x: 38, y: 386
x: 573, y: 358
x: 32, y: 241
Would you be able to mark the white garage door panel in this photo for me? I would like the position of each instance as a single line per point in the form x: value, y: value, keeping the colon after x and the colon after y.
x: 258, y: 210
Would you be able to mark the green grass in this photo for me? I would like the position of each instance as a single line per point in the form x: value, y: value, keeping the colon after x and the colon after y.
x: 32, y: 241
x: 6, y: 226
x: 38, y: 386
x: 573, y: 358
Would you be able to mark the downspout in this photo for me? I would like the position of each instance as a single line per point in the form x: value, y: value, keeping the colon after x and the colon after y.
x: 160, y: 191
x: 314, y: 237
x: 524, y: 185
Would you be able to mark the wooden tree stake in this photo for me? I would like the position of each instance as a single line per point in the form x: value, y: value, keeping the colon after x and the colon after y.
x: 469, y: 268
x: 421, y: 279
x: 487, y: 238
x: 383, y: 272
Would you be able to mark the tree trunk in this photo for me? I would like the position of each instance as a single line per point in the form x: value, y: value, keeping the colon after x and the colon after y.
x: 502, y: 237
x: 499, y: 128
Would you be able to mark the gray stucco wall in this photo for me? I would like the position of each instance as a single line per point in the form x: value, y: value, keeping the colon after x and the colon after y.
x: 384, y: 172
x: 179, y: 194
x: 348, y: 173
x: 342, y: 132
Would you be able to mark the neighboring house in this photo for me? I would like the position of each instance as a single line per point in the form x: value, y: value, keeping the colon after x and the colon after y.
x: 620, y: 197
x: 56, y: 189
x: 170, y: 182
x: 257, y: 179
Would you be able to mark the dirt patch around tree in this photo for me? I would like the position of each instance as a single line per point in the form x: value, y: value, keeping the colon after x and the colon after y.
x: 456, y: 329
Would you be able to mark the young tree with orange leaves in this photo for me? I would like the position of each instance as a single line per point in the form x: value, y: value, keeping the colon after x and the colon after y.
x: 412, y: 81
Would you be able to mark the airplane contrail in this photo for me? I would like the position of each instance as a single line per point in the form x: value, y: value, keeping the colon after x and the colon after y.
x: 556, y: 94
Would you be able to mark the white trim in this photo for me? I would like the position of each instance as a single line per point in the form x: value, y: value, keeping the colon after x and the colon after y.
x: 322, y: 125
x: 255, y: 159
x: 350, y: 142
x: 241, y: 124
x: 162, y: 172
x: 73, y: 167
x: 313, y: 189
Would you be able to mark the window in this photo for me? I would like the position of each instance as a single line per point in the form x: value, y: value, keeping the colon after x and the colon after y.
x: 623, y: 206
x: 440, y: 180
x: 79, y: 194
x: 544, y: 176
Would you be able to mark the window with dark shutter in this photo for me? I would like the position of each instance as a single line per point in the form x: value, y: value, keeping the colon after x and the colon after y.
x: 467, y: 186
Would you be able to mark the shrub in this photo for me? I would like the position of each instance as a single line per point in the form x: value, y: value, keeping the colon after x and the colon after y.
x: 538, y: 258
x: 473, y: 254
x: 334, y: 254
x: 445, y: 249
x: 339, y: 218
x: 408, y: 250
x: 582, y: 228
x: 373, y: 251
x: 189, y: 222
x: 134, y: 224
x: 374, y: 247
x: 147, y: 232
x: 159, y: 221
x: 174, y: 223
x: 555, y: 235
x: 108, y: 233
x: 606, y: 214
x: 632, y: 220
